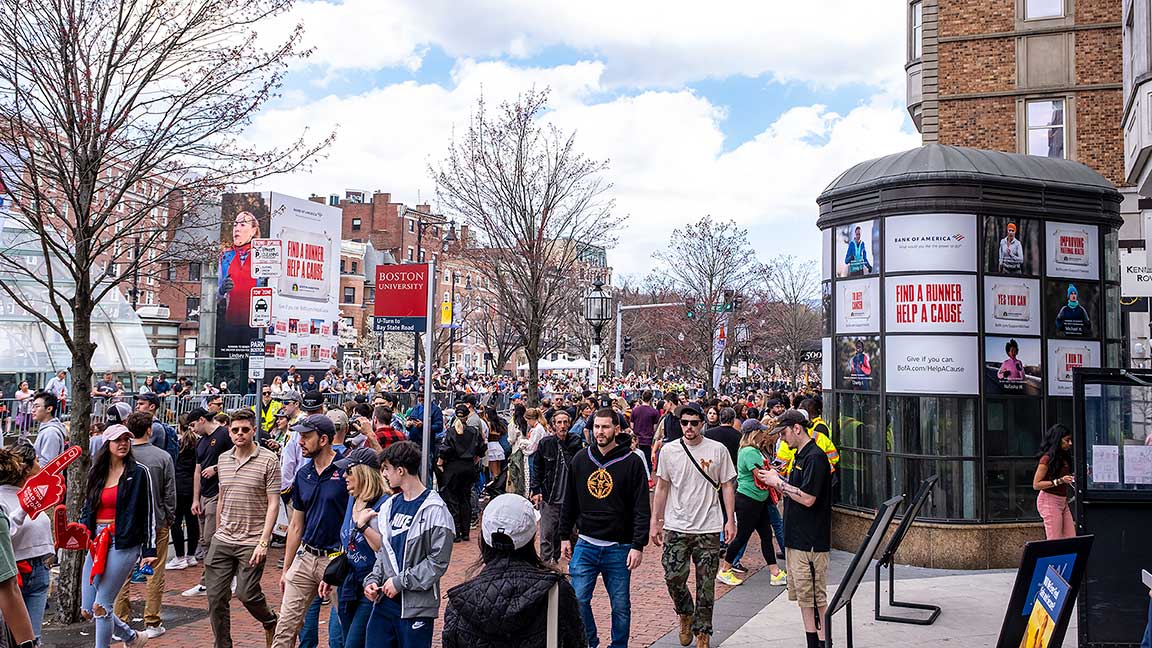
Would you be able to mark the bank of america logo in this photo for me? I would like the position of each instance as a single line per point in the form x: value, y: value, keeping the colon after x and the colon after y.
x: 958, y: 237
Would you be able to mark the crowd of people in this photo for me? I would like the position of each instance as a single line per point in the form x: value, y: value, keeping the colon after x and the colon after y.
x: 368, y: 519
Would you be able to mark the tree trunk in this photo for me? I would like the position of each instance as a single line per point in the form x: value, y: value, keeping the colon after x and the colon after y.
x: 532, y: 350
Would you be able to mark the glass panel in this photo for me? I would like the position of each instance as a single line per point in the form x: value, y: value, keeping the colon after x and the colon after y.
x: 1112, y: 355
x: 1046, y: 142
x: 955, y: 494
x: 860, y: 479
x: 859, y: 420
x: 1013, y: 428
x: 1009, y: 488
x: 1112, y: 313
x: 917, y: 30
x: 826, y: 308
x: 1111, y: 255
x: 1060, y: 411
x: 1048, y: 112
x: 1034, y: 9
x: 1116, y: 429
x: 931, y: 425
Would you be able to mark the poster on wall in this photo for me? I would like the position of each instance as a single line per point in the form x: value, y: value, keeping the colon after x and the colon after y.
x: 826, y: 363
x: 1073, y: 251
x: 858, y: 249
x: 1012, y: 305
x: 932, y: 364
x: 243, y: 217
x: 826, y: 308
x: 858, y: 362
x: 306, y: 312
x: 1063, y: 357
x: 826, y: 252
x: 931, y: 304
x: 928, y: 242
x: 856, y: 305
x: 1012, y: 366
x: 1072, y: 309
x: 1012, y: 245
x: 1135, y: 274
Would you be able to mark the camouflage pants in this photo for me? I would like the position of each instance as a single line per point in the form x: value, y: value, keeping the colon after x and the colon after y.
x: 702, y: 550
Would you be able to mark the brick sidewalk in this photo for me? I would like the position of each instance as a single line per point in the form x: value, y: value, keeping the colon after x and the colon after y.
x: 187, y: 622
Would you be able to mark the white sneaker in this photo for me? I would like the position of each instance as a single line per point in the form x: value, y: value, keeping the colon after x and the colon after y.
x: 191, y: 560
x: 154, y: 631
x: 195, y: 590
x: 138, y: 642
x: 233, y: 585
x: 176, y: 564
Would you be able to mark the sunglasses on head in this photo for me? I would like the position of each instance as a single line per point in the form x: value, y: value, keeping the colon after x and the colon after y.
x: 690, y: 422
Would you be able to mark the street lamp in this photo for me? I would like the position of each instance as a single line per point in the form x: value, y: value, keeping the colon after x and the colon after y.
x: 449, y: 237
x: 597, y: 311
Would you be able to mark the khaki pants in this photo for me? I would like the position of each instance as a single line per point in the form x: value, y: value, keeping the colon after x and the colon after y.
x: 222, y: 563
x: 154, y: 588
x: 207, y: 521
x: 300, y: 587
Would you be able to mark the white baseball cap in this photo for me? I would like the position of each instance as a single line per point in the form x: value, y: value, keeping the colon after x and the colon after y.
x: 511, y: 516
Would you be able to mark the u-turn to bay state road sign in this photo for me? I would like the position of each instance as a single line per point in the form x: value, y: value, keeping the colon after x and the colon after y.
x: 260, y: 313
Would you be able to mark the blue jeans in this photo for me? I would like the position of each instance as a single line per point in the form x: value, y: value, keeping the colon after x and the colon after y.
x: 102, y: 591
x: 354, y: 613
x: 1147, y: 642
x: 611, y: 563
x: 35, y: 593
x: 310, y: 633
x: 387, y: 630
x: 777, y: 521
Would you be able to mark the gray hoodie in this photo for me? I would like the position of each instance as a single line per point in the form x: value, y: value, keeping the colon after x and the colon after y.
x: 427, y: 551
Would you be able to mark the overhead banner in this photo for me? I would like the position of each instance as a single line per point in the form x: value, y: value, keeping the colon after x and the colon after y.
x: 1012, y: 305
x: 1135, y: 275
x: 932, y: 364
x: 856, y: 305
x: 1073, y: 251
x: 930, y: 242
x: 931, y: 304
x: 401, y: 298
x: 1063, y: 357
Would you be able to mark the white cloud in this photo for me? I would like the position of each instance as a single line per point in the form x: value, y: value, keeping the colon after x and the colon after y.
x: 643, y: 42
x: 668, y: 162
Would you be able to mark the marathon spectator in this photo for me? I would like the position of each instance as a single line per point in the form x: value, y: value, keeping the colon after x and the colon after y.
x: 186, y: 526
x: 162, y: 387
x: 386, y: 433
x: 725, y: 433
x: 214, y: 441
x: 416, y: 548
x: 51, y: 439
x: 550, y: 481
x: 459, y: 458
x: 277, y: 386
x: 163, y: 436
x: 58, y: 386
x: 104, y: 388
x: 31, y: 542
x: 644, y: 420
x: 23, y: 406
x: 12, y: 609
x: 1051, y: 480
x: 517, y: 480
x: 755, y: 507
x: 506, y: 604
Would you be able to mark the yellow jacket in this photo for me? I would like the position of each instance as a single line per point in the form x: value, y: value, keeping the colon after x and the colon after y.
x: 788, y: 455
x: 267, y: 422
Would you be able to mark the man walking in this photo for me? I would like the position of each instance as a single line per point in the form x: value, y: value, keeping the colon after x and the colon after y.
x: 644, y: 420
x: 214, y: 441
x: 248, y: 505
x: 51, y: 440
x: 163, y: 471
x: 319, y: 501
x: 608, y: 501
x: 549, y: 481
x: 807, y: 522
x: 163, y: 436
x: 693, y: 474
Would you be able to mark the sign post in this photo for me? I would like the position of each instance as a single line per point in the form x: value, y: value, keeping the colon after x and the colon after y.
x: 260, y: 318
x: 594, y: 375
x: 267, y: 258
x: 426, y: 423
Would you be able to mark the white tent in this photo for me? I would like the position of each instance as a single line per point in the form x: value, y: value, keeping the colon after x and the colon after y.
x: 559, y: 365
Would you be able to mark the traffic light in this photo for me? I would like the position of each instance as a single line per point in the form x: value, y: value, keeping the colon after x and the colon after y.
x: 690, y: 306
x: 727, y: 305
x: 738, y: 303
x: 627, y: 344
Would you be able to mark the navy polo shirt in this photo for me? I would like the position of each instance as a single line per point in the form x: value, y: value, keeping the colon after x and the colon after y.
x: 324, y: 500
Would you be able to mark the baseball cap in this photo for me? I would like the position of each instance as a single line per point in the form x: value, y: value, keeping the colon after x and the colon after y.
x: 313, y: 401
x: 149, y: 397
x: 366, y: 456
x: 280, y: 413
x: 117, y: 412
x: 791, y: 417
x: 752, y: 425
x: 315, y: 423
x: 689, y: 408
x: 289, y: 396
x: 511, y: 517
x: 339, y: 419
x: 198, y: 413
x: 114, y: 432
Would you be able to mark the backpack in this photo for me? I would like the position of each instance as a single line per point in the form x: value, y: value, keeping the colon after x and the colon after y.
x: 171, y: 439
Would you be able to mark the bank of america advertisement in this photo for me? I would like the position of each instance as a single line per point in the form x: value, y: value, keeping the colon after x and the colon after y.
x: 1012, y: 305
x: 932, y: 364
x: 857, y: 305
x: 1072, y: 251
x: 1063, y: 357
x: 931, y: 304
x: 926, y: 242
x: 305, y: 308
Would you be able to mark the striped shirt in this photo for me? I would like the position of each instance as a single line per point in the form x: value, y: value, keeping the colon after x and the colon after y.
x: 244, y: 490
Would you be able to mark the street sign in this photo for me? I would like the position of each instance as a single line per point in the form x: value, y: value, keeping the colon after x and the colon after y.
x: 256, y: 367
x: 401, y: 298
x: 260, y: 313
x: 594, y: 375
x: 816, y: 355
x: 266, y: 258
x: 399, y: 324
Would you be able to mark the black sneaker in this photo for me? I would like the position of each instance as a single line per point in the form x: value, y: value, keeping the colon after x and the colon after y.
x: 737, y: 567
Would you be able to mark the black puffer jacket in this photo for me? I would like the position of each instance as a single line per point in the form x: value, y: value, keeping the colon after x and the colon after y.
x: 506, y: 606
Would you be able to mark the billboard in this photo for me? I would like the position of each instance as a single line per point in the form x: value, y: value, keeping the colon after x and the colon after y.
x: 1012, y: 245
x: 930, y: 242
x: 1013, y: 366
x: 932, y: 364
x: 1063, y: 357
x: 930, y: 304
x: 1073, y: 251
x: 1072, y: 309
x: 1012, y: 305
x: 858, y: 362
x: 858, y: 249
x: 243, y: 218
x: 856, y: 305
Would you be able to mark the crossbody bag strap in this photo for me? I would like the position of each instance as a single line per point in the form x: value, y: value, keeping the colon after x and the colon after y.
x: 696, y: 464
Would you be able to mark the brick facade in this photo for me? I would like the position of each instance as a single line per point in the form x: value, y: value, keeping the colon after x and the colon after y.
x: 1099, y: 139
x: 974, y: 66
x: 988, y: 123
x: 971, y: 17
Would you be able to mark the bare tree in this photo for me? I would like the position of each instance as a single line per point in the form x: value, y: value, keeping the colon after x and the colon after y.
x: 790, y: 314
x: 499, y: 340
x: 118, y: 117
x: 707, y: 262
x: 534, y: 204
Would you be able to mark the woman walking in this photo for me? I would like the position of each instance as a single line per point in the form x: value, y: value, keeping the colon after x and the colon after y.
x: 753, y: 505
x: 497, y: 438
x: 459, y: 458
x: 1053, y: 475
x: 119, y: 516
x: 32, y: 544
x: 517, y: 480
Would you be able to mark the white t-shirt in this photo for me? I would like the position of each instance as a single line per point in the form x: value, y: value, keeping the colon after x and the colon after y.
x: 693, y: 504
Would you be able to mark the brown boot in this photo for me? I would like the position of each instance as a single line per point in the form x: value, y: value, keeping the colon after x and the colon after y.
x: 685, y: 629
x: 702, y: 640
x: 270, y: 633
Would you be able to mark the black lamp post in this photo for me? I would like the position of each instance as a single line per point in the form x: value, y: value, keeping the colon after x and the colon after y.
x: 449, y: 238
x: 598, y: 312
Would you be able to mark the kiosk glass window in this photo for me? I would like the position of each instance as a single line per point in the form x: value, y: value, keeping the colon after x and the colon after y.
x: 1117, y: 431
x: 932, y: 425
x: 1112, y: 314
x: 861, y: 478
x: 1008, y: 486
x: 956, y: 496
x: 1012, y: 427
x: 859, y: 421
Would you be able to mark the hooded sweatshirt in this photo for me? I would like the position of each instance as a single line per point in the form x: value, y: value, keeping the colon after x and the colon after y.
x: 427, y: 551
x: 619, y: 509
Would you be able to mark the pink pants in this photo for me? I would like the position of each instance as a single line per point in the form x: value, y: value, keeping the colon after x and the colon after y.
x: 1056, y: 515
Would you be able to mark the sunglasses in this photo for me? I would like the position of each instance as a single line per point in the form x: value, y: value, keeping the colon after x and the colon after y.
x: 690, y: 422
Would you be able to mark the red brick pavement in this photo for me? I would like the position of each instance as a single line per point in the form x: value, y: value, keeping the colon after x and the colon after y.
x: 652, y: 614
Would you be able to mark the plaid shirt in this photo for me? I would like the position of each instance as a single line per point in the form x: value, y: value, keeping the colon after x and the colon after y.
x: 388, y: 435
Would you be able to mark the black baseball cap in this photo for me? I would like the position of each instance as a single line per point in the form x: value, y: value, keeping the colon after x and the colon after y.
x: 366, y: 456
x: 198, y: 413
x: 316, y: 423
x: 689, y: 408
x: 789, y: 418
x: 313, y: 401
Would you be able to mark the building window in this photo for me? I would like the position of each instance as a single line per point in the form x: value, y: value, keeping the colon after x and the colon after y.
x: 349, y: 295
x: 369, y: 294
x: 169, y: 273
x: 1037, y: 9
x: 421, y: 256
x: 409, y: 254
x: 355, y: 267
x: 150, y: 298
x: 355, y: 224
x: 192, y: 308
x: 411, y: 225
x: 190, y: 351
x: 1046, y: 131
x: 193, y: 272
x: 917, y: 31
x: 342, y: 266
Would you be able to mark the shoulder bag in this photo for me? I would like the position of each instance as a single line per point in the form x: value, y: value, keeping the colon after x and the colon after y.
x: 696, y: 464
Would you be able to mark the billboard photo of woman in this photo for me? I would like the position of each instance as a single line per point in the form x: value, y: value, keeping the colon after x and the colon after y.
x: 243, y: 217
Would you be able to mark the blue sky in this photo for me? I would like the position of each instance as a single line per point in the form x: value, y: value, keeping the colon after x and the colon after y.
x: 743, y: 110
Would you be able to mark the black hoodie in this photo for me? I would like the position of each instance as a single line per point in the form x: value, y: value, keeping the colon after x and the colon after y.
x: 620, y: 513
x: 506, y: 606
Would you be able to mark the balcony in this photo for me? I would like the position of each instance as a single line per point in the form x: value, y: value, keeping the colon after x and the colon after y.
x: 914, y: 72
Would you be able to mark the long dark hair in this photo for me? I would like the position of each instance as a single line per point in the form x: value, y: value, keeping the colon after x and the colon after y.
x: 1051, y: 446
x: 99, y: 472
x: 518, y: 412
x: 496, y: 423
